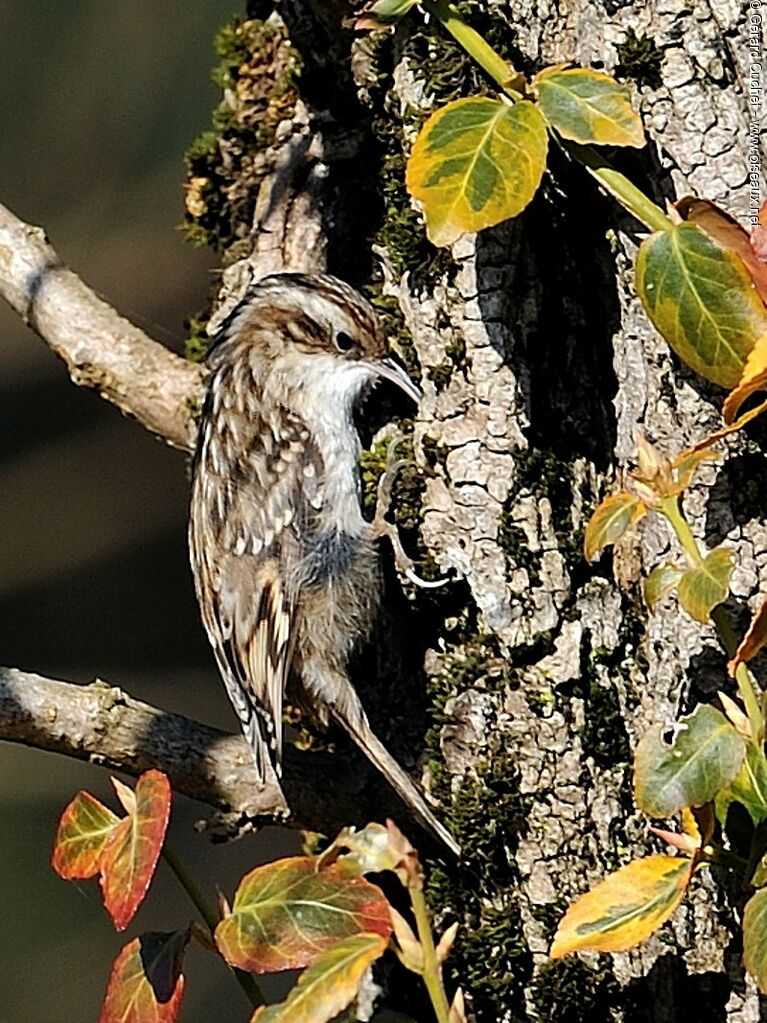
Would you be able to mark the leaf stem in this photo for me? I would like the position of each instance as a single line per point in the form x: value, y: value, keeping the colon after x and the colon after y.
x: 432, y: 971
x: 477, y: 47
x: 618, y: 185
x: 246, y: 980
x: 721, y: 620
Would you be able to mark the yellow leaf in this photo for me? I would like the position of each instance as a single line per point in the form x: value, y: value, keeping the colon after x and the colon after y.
x: 754, y: 379
x: 610, y: 521
x: 476, y: 163
x: 701, y: 298
x: 588, y: 107
x: 625, y: 908
x: 328, y: 985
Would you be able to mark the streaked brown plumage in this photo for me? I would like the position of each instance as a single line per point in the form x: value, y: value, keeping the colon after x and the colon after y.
x: 285, y: 565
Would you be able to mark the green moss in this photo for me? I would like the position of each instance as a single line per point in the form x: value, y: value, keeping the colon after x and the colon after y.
x: 491, y: 959
x: 640, y: 59
x: 401, y: 231
x: 258, y: 69
x: 572, y: 991
x: 197, y: 340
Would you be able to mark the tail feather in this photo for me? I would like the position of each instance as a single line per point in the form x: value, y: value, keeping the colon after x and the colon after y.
x: 356, y: 724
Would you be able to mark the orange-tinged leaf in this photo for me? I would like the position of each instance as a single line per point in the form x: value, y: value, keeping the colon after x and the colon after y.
x: 610, y: 521
x: 286, y: 913
x: 475, y: 163
x: 83, y: 830
x: 329, y: 984
x: 701, y: 589
x: 725, y: 431
x: 753, y: 641
x: 701, y: 298
x: 625, y: 908
x: 755, y: 938
x: 130, y: 855
x: 727, y: 232
x: 146, y: 985
x: 588, y: 107
x: 754, y: 379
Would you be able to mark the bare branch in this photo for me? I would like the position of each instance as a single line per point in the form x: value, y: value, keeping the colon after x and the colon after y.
x: 101, y: 349
x: 102, y: 724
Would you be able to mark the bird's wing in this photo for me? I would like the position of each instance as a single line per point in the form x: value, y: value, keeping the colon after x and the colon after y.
x: 256, y: 491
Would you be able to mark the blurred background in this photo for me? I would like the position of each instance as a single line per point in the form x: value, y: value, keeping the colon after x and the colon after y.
x: 100, y: 99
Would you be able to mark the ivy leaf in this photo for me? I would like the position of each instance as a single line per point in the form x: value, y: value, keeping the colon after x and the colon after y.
x: 286, y: 913
x: 130, y: 855
x: 660, y: 582
x: 610, y: 521
x: 701, y: 589
x: 625, y: 908
x: 146, y: 985
x: 702, y: 300
x: 476, y: 163
x: 329, y: 984
x: 703, y: 757
x: 83, y: 830
x: 588, y: 107
x: 753, y: 641
x: 749, y: 786
x: 755, y: 938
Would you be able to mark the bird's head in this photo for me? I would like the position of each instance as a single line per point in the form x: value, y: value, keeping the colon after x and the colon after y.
x: 312, y: 330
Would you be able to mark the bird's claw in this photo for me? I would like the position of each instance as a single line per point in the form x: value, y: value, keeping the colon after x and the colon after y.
x: 380, y: 526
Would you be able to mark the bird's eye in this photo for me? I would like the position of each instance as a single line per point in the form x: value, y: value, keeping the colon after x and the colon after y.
x: 344, y: 343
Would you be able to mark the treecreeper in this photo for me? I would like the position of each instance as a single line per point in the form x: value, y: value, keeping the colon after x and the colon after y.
x: 285, y: 565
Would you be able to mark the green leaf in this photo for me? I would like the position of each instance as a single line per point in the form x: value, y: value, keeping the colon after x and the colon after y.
x: 475, y: 163
x: 328, y: 985
x: 610, y: 521
x: 702, y: 300
x: 588, y: 107
x: 83, y: 830
x: 625, y: 908
x: 286, y: 913
x: 703, y: 757
x: 146, y: 985
x: 701, y: 589
x: 660, y: 582
x: 749, y: 787
x: 755, y: 938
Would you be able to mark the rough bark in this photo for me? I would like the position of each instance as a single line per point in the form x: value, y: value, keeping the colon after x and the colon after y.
x: 539, y: 671
x: 529, y: 679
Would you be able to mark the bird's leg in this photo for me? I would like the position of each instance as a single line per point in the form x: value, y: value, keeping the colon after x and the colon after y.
x: 380, y: 525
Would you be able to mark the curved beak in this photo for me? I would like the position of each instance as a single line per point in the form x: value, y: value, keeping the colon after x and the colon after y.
x: 390, y: 369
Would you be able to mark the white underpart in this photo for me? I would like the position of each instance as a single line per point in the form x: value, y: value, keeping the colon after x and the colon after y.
x: 325, y: 390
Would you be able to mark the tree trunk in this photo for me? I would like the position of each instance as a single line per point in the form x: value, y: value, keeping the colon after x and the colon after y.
x: 530, y: 677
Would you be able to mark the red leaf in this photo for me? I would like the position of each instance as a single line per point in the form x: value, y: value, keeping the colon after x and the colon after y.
x: 130, y: 855
x: 286, y: 913
x: 83, y: 831
x: 146, y: 985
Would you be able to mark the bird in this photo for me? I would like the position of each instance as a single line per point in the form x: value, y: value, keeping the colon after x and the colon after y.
x: 285, y: 565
